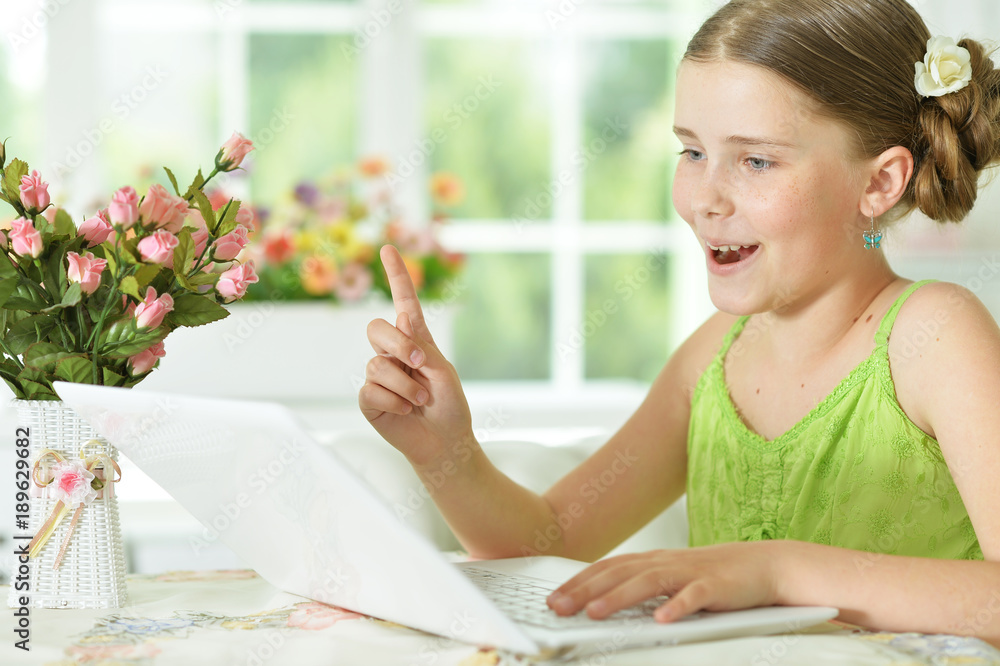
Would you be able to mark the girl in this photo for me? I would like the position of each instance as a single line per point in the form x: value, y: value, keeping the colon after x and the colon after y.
x: 834, y: 425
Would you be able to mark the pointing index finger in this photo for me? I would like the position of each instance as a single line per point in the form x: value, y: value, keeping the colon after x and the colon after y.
x: 404, y: 295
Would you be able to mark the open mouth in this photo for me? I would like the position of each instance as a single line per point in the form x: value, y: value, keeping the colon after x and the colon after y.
x: 731, y: 254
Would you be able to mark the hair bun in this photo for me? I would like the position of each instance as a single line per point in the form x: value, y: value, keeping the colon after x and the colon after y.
x: 958, y: 136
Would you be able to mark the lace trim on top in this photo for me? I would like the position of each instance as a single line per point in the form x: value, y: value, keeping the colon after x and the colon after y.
x: 877, y: 362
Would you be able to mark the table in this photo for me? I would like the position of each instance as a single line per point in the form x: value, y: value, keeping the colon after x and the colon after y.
x: 235, y: 617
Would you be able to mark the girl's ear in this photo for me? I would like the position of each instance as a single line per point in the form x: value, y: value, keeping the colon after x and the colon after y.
x: 890, y: 175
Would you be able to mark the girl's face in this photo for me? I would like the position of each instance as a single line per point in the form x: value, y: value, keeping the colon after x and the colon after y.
x: 762, y: 173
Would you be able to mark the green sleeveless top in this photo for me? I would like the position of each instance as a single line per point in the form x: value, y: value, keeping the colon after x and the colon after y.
x: 855, y: 472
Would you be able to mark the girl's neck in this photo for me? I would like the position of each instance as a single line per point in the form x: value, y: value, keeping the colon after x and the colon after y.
x: 817, y: 324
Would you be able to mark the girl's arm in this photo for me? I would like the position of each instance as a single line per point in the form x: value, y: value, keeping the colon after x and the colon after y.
x: 414, y: 399
x: 945, y: 358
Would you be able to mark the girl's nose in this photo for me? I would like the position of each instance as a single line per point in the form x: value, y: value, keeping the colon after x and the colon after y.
x: 712, y: 194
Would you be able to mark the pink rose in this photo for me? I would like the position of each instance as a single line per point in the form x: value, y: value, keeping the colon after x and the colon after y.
x: 158, y: 248
x: 163, y: 209
x: 96, y: 229
x: 229, y: 246
x: 233, y: 151
x: 34, y: 193
x: 71, y: 483
x: 25, y: 240
x: 144, y: 361
x: 200, y: 238
x: 245, y: 217
x: 152, y: 310
x: 86, y: 270
x: 124, y: 208
x: 233, y: 283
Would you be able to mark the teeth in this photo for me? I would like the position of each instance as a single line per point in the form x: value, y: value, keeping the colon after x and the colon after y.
x: 733, y: 248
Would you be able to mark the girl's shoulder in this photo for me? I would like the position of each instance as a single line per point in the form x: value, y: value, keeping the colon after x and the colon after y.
x: 944, y: 343
x: 701, y: 348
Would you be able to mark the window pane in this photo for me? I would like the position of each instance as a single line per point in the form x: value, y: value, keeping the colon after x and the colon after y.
x: 20, y: 89
x: 628, y: 140
x: 625, y: 326
x: 487, y: 119
x: 502, y: 330
x: 152, y: 114
x: 303, y: 94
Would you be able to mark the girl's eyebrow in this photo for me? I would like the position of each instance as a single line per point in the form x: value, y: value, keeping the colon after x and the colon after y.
x: 738, y: 140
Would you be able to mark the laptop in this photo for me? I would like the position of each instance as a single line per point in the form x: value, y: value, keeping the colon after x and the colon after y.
x: 257, y: 481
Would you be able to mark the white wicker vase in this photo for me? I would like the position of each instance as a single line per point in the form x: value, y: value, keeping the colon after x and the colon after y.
x: 92, y: 571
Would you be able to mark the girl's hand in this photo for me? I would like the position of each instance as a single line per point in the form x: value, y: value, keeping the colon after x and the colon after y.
x: 412, y: 395
x: 716, y: 578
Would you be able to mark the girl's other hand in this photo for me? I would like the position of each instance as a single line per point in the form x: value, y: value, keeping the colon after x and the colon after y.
x: 717, y: 578
x: 412, y: 394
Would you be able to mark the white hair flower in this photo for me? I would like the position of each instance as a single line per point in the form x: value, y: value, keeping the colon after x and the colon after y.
x: 946, y: 68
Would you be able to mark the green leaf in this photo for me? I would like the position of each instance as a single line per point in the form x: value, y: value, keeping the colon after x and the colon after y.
x: 129, y: 285
x: 12, y: 180
x: 8, y: 286
x: 72, y: 296
x: 76, y: 369
x: 41, y: 355
x: 3, y: 154
x: 173, y: 181
x: 193, y: 310
x: 112, y: 378
x: 205, y: 206
x: 29, y: 331
x: 64, y: 224
x: 142, y: 341
x: 146, y: 274
x: 37, y: 390
x: 6, y: 267
x: 25, y: 297
x: 112, y: 266
x: 184, y: 252
x: 202, y: 278
x: 228, y: 221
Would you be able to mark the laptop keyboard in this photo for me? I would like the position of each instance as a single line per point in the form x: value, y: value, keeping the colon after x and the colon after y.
x: 523, y: 599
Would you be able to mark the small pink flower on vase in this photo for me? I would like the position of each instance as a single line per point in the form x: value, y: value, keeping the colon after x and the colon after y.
x: 355, y: 281
x: 146, y: 360
x: 34, y: 192
x: 123, y: 211
x: 228, y: 247
x: 158, y: 248
x: 25, y: 240
x: 233, y: 283
x: 71, y: 483
x: 96, y: 229
x: 152, y: 310
x: 233, y: 151
x: 163, y: 209
x: 86, y: 270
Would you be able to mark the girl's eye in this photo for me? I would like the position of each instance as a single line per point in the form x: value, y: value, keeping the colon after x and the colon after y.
x: 759, y: 164
x: 693, y: 155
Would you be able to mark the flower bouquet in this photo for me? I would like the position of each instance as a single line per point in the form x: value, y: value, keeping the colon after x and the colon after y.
x: 322, y: 242
x: 92, y: 303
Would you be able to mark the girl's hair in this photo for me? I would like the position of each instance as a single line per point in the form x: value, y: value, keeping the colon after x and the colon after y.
x: 856, y: 58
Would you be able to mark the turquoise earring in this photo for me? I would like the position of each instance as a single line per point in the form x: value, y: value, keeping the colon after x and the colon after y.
x: 873, y: 237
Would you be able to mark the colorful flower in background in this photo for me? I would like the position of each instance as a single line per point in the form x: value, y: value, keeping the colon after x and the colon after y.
x: 322, y: 241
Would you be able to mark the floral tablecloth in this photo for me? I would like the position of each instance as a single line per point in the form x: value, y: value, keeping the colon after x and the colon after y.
x: 235, y: 617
